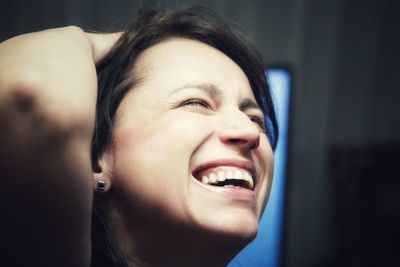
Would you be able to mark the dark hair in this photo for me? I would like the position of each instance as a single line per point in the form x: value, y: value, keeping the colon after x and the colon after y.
x: 115, y: 79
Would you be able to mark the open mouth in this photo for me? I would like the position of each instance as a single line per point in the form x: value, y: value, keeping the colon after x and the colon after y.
x: 226, y: 177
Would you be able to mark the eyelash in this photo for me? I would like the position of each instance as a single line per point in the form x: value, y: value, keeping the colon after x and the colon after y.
x: 203, y: 104
x: 259, y: 121
x: 196, y: 103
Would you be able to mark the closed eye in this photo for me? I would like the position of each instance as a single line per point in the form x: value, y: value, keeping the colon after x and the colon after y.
x: 259, y: 121
x: 196, y: 103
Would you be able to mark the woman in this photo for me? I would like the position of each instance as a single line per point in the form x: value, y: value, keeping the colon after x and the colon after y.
x: 181, y: 158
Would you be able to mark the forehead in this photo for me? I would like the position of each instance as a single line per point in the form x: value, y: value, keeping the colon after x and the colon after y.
x: 178, y: 61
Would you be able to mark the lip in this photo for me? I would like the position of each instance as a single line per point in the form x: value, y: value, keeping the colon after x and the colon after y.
x: 241, y: 164
x: 235, y: 194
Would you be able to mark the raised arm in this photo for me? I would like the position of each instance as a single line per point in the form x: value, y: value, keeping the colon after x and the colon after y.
x: 48, y: 89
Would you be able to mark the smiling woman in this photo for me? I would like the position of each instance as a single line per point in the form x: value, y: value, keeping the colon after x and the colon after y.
x: 182, y: 151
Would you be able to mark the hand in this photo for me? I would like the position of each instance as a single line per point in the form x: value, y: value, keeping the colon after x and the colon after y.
x: 102, y: 43
x: 55, y: 69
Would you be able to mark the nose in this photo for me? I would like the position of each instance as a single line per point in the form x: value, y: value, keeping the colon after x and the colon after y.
x: 237, y: 129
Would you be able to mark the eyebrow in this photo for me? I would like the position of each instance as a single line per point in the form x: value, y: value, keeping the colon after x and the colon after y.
x: 209, y: 88
x: 249, y: 104
x: 214, y: 92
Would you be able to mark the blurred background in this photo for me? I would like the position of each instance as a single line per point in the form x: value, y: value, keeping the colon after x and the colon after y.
x: 341, y: 196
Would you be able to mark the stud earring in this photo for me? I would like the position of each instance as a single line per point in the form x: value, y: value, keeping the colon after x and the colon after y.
x: 101, y: 186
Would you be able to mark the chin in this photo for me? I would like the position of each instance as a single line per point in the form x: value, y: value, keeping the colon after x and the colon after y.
x: 243, y: 234
x: 233, y: 231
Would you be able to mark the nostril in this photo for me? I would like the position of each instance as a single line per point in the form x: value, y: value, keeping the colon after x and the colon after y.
x: 251, y: 144
x: 236, y: 141
x: 255, y: 144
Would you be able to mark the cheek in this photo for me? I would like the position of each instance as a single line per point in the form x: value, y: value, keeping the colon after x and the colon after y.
x: 266, y: 158
x: 151, y: 157
x: 161, y: 138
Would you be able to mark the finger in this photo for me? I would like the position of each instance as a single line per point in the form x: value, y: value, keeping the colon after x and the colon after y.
x: 102, y: 43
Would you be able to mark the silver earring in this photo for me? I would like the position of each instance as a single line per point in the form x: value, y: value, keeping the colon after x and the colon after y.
x: 101, y: 186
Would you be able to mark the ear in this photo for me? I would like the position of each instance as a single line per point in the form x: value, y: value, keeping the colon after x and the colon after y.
x: 102, y: 175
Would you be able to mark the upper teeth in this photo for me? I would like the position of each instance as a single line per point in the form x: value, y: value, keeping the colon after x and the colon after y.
x: 223, y: 175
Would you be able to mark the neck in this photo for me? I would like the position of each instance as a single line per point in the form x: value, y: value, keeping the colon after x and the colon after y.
x: 178, y: 251
x: 144, y: 243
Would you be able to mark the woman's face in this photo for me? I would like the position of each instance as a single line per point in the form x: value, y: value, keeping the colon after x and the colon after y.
x: 191, y: 120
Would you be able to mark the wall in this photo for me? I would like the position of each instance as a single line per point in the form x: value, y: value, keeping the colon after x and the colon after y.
x: 345, y: 60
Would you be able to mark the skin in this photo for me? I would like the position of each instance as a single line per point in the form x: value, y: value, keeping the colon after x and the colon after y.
x: 166, y: 128
x: 45, y: 161
x: 48, y: 89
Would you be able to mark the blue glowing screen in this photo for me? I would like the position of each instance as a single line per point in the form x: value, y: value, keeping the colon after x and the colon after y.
x: 265, y: 250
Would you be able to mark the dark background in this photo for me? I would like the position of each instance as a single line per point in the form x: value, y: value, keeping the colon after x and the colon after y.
x: 343, y: 197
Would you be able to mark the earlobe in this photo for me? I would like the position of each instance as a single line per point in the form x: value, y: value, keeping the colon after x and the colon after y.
x: 101, y: 178
x: 101, y: 186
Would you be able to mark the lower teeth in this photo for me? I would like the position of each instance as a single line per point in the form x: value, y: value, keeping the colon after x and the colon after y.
x: 232, y: 186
